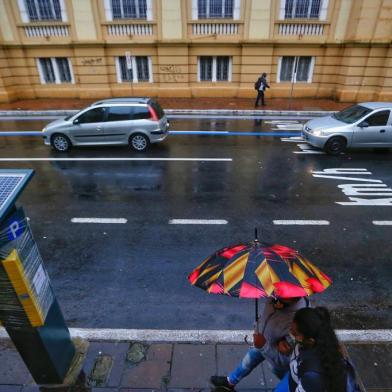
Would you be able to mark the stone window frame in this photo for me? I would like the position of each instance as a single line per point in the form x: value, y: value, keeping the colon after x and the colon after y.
x: 109, y: 12
x: 323, y: 10
x: 214, y: 70
x: 135, y: 65
x: 236, y: 10
x: 26, y: 18
x: 56, y: 71
x: 293, y: 75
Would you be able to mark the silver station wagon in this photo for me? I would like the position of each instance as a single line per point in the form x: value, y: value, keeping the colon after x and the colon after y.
x: 367, y: 124
x: 136, y: 122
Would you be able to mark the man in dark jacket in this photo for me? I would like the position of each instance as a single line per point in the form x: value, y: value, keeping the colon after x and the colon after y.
x: 260, y: 86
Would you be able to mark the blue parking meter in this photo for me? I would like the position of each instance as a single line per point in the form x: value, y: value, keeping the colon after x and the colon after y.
x: 29, y: 310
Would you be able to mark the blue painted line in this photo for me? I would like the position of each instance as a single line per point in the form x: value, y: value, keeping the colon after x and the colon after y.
x: 21, y: 133
x: 209, y: 133
x: 212, y: 133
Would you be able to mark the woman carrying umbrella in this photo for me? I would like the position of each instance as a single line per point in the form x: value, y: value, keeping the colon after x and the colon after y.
x: 256, y: 270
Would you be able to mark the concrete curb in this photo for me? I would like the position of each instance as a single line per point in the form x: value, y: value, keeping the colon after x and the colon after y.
x: 22, y: 113
x: 206, y: 336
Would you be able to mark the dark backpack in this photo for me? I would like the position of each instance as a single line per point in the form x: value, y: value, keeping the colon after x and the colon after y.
x: 258, y: 84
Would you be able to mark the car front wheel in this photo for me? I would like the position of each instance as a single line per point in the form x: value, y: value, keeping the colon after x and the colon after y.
x: 335, y: 145
x: 139, y: 142
x: 60, y: 143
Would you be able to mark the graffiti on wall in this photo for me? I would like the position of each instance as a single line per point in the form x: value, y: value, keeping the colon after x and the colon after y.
x: 171, y: 73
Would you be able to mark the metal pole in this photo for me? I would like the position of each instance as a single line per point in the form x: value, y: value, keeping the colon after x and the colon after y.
x: 292, y: 81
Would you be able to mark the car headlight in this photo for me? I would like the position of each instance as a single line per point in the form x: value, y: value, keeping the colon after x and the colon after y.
x: 318, y: 132
x: 44, y: 130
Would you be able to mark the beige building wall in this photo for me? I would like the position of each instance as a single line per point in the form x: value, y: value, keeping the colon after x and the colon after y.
x: 350, y: 45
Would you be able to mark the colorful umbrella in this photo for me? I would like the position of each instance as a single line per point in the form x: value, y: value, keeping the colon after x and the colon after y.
x: 256, y: 269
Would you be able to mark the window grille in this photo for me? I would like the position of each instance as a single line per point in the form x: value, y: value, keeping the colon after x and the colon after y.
x: 55, y: 70
x: 140, y: 71
x: 63, y: 69
x: 296, y: 69
x: 214, y: 69
x: 43, y: 10
x: 303, y: 9
x: 222, y: 68
x: 206, y: 68
x: 129, y: 9
x: 215, y: 9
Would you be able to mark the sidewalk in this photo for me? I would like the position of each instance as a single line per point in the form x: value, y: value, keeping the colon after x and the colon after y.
x: 177, y: 367
x: 188, y: 103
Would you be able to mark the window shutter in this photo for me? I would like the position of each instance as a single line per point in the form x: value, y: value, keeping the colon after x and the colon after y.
x: 194, y: 10
x: 108, y: 10
x: 23, y: 12
x: 282, y: 9
x: 40, y: 71
x: 149, y: 9
x: 324, y: 10
x: 279, y: 70
x: 118, y: 70
x: 63, y: 11
x: 237, y: 9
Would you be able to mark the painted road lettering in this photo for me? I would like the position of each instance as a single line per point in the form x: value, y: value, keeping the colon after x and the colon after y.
x: 360, y: 188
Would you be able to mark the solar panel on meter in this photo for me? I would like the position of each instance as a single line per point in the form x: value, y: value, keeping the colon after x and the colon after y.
x: 12, y: 182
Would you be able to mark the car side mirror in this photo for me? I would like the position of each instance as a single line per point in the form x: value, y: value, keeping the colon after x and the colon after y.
x: 363, y: 124
x: 76, y: 121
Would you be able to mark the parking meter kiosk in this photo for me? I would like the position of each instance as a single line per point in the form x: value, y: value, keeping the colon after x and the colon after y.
x: 28, y: 307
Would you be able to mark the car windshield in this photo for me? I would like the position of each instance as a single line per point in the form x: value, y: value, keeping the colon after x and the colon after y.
x: 352, y: 114
x: 72, y: 115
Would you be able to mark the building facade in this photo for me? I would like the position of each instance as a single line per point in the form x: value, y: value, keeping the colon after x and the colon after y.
x: 339, y: 49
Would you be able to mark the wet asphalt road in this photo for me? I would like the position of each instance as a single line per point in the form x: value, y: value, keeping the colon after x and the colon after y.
x: 133, y: 275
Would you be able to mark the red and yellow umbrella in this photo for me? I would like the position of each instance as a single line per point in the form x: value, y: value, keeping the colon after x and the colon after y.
x: 255, y: 270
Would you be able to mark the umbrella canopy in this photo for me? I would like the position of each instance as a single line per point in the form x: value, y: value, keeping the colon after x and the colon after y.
x: 255, y: 270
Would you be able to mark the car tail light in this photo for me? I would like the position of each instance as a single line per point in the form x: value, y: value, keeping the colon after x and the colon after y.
x: 153, y: 114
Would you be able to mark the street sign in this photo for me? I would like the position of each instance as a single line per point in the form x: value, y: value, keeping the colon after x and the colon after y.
x: 128, y: 58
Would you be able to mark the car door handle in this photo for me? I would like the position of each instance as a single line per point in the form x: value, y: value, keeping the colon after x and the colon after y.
x: 382, y: 130
x: 99, y: 128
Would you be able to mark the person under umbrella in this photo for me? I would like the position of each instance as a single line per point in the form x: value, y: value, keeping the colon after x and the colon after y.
x: 255, y: 270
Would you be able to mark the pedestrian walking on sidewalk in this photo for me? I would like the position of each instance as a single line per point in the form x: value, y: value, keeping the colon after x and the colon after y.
x: 260, y: 85
x: 317, y: 363
x: 269, y: 344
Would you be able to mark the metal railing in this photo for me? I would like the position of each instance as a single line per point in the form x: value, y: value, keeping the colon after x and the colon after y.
x: 48, y: 30
x: 215, y: 28
x: 301, y: 28
x: 129, y: 29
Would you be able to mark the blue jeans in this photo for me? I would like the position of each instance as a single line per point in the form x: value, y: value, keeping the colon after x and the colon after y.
x: 283, y: 386
x: 251, y: 359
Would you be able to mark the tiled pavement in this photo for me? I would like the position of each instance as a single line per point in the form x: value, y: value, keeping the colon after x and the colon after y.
x: 177, y: 367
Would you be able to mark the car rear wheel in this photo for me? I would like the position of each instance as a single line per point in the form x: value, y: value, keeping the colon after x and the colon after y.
x: 61, y: 143
x: 335, y: 145
x: 139, y: 142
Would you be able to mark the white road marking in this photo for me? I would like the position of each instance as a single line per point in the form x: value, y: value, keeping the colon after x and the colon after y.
x: 309, y: 152
x: 198, y: 222
x: 204, y: 336
x: 283, y: 122
x: 382, y: 223
x: 99, y: 220
x: 115, y: 159
x: 294, y: 139
x: 289, y: 127
x: 301, y: 222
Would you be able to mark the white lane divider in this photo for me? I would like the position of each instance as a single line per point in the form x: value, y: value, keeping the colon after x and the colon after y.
x: 294, y: 139
x: 99, y: 220
x: 307, y: 149
x: 116, y: 159
x: 198, y: 222
x: 302, y: 222
x: 289, y: 127
x: 382, y: 223
x: 281, y: 121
